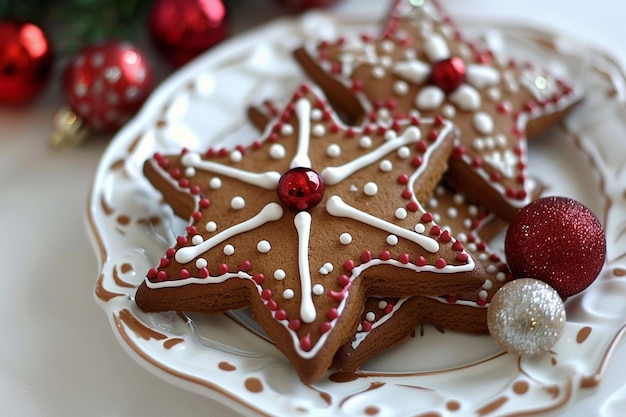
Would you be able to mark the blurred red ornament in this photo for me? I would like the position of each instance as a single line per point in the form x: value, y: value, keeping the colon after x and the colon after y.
x: 302, y: 5
x: 182, y: 29
x: 25, y: 61
x: 106, y: 83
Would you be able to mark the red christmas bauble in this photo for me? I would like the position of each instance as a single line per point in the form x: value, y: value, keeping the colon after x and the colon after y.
x: 182, y: 29
x: 300, y: 188
x: 448, y: 74
x: 302, y: 5
x: 25, y: 61
x: 106, y: 83
x: 557, y: 240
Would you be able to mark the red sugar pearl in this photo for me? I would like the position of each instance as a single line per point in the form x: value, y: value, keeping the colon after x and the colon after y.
x: 440, y: 263
x: 384, y: 255
x: 325, y: 327
x: 305, y: 343
x: 266, y: 294
x: 294, y: 324
x: 332, y: 313
x: 343, y: 280
x: 280, y: 314
x: 204, y: 272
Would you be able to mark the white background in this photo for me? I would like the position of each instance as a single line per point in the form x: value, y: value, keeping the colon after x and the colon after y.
x: 58, y: 355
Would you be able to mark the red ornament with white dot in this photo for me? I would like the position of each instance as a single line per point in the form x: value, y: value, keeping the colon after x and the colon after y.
x: 106, y: 83
x: 557, y: 240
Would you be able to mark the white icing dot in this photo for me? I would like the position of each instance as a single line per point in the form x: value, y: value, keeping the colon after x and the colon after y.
x: 500, y: 276
x: 419, y: 228
x: 211, y: 226
x: 472, y: 210
x: 462, y: 237
x: 392, y: 240
x: 237, y: 203
x: 345, y: 238
x: 333, y: 150
x: 378, y: 72
x: 390, y: 134
x: 437, y: 217
x: 387, y: 46
x: 401, y: 213
x: 452, y: 212
x: 478, y: 144
x: 483, y: 294
x: 487, y: 285
x: 404, y: 152
x: 467, y: 223
x: 277, y: 151
x: 197, y: 239
x: 494, y: 93
x: 318, y: 289
x: 280, y: 274
x: 384, y: 114
x: 432, y: 203
x: 401, y: 88
x: 353, y: 188
x: 458, y: 199
x: 319, y: 130
x: 386, y: 61
x: 215, y: 183
x: 370, y: 189
x: 316, y: 114
x: 263, y: 246
x: 327, y: 268
x: 201, y: 263
x: 370, y: 316
x: 190, y: 171
x: 236, y: 156
x: 229, y: 250
x: 288, y: 294
x: 385, y: 165
x: 286, y: 130
x: 448, y: 111
x: 365, y: 142
x: 491, y: 269
x: 382, y: 304
x: 501, y: 140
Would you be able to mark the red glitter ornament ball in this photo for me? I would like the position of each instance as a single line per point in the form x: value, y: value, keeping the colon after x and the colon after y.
x: 557, y: 240
x: 182, y: 29
x: 106, y: 83
x: 448, y: 74
x: 25, y: 61
x: 300, y: 188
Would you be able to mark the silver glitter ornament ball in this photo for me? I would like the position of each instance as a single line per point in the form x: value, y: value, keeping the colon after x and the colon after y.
x: 526, y: 317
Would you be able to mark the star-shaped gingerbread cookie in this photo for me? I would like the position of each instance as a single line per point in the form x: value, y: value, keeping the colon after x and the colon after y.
x: 422, y: 64
x: 305, y: 223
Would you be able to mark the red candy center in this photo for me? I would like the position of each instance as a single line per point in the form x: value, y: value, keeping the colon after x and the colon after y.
x: 448, y: 74
x: 300, y: 188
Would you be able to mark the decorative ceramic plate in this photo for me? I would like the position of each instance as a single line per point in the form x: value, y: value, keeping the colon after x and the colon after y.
x: 432, y: 374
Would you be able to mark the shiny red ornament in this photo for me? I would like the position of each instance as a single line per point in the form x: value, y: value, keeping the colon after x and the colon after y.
x: 300, y: 188
x: 448, y: 74
x: 106, y: 83
x: 25, y: 61
x: 302, y: 5
x: 182, y: 29
x: 557, y: 240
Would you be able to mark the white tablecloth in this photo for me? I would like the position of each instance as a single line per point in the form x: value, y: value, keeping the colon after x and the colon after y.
x: 58, y: 355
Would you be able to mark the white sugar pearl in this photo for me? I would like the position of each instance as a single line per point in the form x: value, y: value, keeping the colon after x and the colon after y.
x: 211, y: 226
x: 237, y: 203
x: 370, y: 316
x: 316, y: 114
x: 288, y: 294
x: 345, y: 238
x: 401, y: 213
x: 263, y: 246
x: 382, y: 304
x: 197, y: 239
x: 419, y: 228
x: 404, y: 152
x: 215, y: 183
x: 390, y: 135
x: 318, y: 289
x: 286, y: 130
x: 190, y: 172
x: 280, y: 274
x: 236, y: 156
x: 370, y: 189
x: 229, y: 250
x: 392, y: 240
x: 378, y: 72
x: 365, y: 142
x: 401, y: 88
x: 201, y: 263
x: 333, y: 150
x: 452, y: 213
x: 487, y: 285
x: 385, y: 165
x: 319, y: 130
x: 277, y: 151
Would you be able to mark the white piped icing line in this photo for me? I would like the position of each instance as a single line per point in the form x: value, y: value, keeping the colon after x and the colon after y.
x: 269, y: 213
x: 302, y: 222
x: 303, y: 111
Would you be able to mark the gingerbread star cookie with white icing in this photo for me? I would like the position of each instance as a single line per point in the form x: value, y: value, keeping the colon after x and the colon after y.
x: 304, y: 224
x: 422, y: 64
x: 386, y: 322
